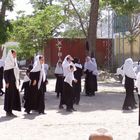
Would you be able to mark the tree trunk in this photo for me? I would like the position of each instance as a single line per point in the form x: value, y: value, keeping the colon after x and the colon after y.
x: 92, y: 30
x: 50, y: 2
x: 80, y: 19
x: 3, y: 10
x: 1, y: 51
x: 131, y: 50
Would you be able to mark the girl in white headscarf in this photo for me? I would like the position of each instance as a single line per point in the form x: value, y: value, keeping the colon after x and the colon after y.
x: 59, y: 81
x: 11, y: 76
x: 25, y: 87
x: 77, y: 86
x: 129, y: 102
x: 37, y: 87
x: 90, y: 69
x: 66, y: 63
x: 1, y: 76
x: 68, y: 89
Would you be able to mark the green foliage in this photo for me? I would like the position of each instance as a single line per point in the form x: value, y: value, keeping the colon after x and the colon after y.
x: 41, y: 4
x: 124, y: 7
x: 72, y: 33
x: 32, y: 31
x: 5, y: 29
x: 73, y: 28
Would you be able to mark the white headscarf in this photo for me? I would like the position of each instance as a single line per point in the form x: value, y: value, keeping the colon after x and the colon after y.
x: 66, y: 65
x: 95, y: 71
x: 128, y: 68
x: 90, y: 65
x: 78, y: 65
x: 58, y: 69
x: 65, y: 62
x: 69, y: 77
x: 11, y: 63
x: 1, y: 63
x: 38, y: 67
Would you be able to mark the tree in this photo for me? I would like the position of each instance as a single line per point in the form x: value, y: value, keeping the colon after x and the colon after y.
x: 32, y: 31
x: 134, y: 31
x: 91, y: 33
x: 92, y: 30
x: 41, y: 4
x: 5, y: 26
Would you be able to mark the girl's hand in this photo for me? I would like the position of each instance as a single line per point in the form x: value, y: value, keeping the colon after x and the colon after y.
x: 34, y: 82
x: 7, y: 85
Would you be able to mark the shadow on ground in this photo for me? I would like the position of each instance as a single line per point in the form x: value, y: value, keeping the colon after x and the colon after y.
x: 110, y: 99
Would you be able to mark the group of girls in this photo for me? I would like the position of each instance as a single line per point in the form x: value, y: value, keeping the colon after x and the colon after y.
x: 34, y: 85
x: 68, y: 84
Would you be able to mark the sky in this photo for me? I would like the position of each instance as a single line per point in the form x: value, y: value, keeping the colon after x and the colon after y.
x: 23, y: 5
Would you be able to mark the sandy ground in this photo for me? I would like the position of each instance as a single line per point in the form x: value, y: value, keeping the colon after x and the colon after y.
x: 100, y: 111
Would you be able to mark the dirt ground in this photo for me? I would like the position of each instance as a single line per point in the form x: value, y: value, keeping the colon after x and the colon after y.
x: 100, y: 111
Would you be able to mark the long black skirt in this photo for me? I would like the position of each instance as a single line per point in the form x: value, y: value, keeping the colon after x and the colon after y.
x: 1, y: 77
x: 68, y: 95
x: 31, y: 98
x: 59, y: 84
x: 12, y: 99
x: 129, y: 98
x: 77, y: 91
x: 90, y: 84
x: 41, y: 99
x: 35, y: 99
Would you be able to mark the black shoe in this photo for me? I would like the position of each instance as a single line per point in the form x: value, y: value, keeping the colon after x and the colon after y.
x: 134, y: 107
x: 13, y: 115
x: 125, y: 108
x: 28, y: 112
x: 90, y: 95
x: 69, y: 110
x: 10, y: 114
x: 77, y: 103
x: 42, y: 113
x: 74, y: 109
x: 61, y: 107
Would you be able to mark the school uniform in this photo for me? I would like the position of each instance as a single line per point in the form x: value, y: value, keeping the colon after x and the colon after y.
x: 130, y: 75
x: 67, y: 94
x: 11, y: 77
x: 77, y: 86
x: 36, y: 100
x: 25, y: 87
x: 68, y: 91
x: 90, y: 69
x: 59, y: 80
